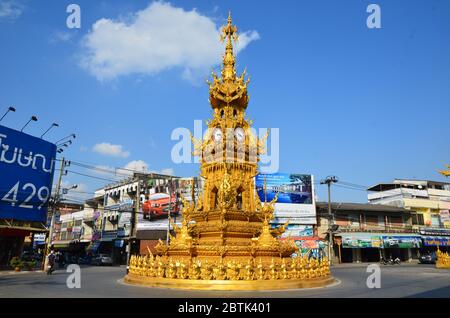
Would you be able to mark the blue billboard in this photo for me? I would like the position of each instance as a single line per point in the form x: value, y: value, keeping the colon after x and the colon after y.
x: 27, y: 164
x: 295, y: 197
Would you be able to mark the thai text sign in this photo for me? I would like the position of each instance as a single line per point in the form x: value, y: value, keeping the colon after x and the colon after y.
x: 26, y: 173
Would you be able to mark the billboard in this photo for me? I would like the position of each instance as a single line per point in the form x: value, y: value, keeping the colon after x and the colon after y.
x: 295, y: 196
x: 310, y: 246
x: 157, y: 204
x: 357, y: 240
x: 295, y: 230
x: 187, y: 187
x: 27, y: 164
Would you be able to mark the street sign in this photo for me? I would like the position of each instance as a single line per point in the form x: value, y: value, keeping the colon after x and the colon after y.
x: 27, y: 165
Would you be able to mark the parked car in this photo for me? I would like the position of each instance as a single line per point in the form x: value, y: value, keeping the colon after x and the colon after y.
x: 428, y: 258
x: 102, y: 259
x: 158, y: 205
x: 84, y: 260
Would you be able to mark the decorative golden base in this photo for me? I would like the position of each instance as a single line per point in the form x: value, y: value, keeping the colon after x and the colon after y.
x: 191, y: 284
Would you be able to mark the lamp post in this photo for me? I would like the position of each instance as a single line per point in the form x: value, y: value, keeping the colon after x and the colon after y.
x: 53, y: 125
x: 10, y: 109
x: 67, y: 137
x: 33, y: 118
x: 328, y: 181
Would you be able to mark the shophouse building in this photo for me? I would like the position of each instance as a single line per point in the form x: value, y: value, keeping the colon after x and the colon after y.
x: 367, y: 232
x: 429, y: 203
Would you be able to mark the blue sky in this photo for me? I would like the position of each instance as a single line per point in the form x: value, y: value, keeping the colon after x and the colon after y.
x: 366, y: 105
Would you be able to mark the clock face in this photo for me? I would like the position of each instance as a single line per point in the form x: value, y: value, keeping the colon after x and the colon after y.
x: 239, y: 133
x: 217, y: 134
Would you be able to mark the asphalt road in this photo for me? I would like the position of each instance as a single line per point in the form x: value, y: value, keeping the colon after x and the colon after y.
x: 396, y: 281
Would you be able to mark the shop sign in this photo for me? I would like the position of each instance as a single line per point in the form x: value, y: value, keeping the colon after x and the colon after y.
x: 431, y: 231
x: 351, y: 241
x: 436, y: 241
x: 401, y: 241
x: 380, y: 241
x: 444, y: 215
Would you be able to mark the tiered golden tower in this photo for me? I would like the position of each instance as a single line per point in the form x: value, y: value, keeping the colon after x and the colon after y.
x: 225, y: 241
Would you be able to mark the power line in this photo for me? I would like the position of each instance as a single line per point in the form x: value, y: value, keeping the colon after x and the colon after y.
x: 91, y: 176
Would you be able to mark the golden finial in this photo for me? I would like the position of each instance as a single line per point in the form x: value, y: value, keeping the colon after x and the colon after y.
x: 229, y: 32
x: 445, y: 173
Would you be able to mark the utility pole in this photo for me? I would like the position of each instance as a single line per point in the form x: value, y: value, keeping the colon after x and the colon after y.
x: 169, y: 217
x: 133, y: 221
x: 328, y: 181
x: 52, y: 222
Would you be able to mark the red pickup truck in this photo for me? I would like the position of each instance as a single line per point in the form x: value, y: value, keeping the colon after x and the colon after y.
x: 157, y: 205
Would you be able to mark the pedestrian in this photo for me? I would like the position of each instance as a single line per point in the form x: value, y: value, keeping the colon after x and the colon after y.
x: 60, y: 260
x: 51, y: 262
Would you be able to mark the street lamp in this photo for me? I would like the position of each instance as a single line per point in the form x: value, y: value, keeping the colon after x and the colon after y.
x: 66, y: 190
x: 10, y: 109
x: 328, y: 181
x: 33, y: 118
x: 53, y: 125
x: 70, y: 136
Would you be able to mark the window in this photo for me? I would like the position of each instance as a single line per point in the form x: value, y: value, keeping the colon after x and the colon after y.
x: 353, y: 220
x: 371, y: 220
x: 417, y: 219
x: 435, y: 221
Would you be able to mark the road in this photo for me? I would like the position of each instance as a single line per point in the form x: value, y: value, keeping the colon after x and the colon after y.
x: 396, y: 281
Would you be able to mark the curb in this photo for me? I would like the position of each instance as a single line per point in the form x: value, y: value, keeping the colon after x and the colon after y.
x: 5, y: 273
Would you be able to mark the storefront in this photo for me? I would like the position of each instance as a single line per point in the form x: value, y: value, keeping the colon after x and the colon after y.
x: 370, y: 247
x: 432, y: 238
x: 13, y: 235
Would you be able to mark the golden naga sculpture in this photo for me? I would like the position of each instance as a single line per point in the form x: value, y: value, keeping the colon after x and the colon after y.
x: 226, y: 241
x: 442, y: 259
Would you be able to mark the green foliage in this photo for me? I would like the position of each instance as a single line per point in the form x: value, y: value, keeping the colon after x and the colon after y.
x: 16, y: 262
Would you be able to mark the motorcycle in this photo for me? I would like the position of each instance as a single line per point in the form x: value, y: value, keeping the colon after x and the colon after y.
x: 390, y: 261
x: 50, y: 269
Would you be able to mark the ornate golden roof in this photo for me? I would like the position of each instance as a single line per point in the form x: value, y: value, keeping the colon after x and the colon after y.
x: 229, y: 88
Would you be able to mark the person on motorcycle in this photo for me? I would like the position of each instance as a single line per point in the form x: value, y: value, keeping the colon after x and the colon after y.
x: 51, y: 262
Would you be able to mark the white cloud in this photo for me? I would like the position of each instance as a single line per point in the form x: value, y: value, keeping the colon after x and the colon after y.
x: 10, y: 9
x: 135, y: 166
x: 61, y: 36
x: 155, y: 39
x: 105, y: 148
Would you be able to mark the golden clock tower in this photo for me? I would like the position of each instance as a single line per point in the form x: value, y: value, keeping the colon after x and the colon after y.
x: 226, y: 241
